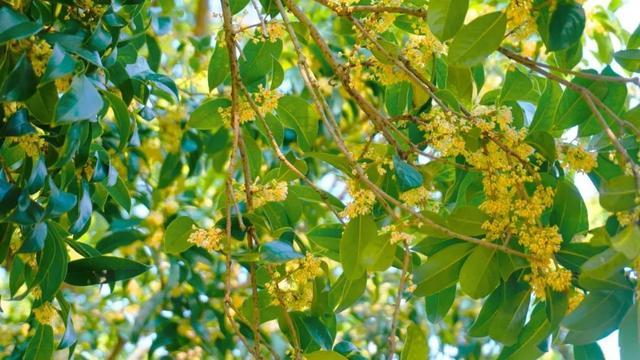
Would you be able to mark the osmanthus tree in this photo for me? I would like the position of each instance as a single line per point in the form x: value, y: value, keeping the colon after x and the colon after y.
x: 319, y: 179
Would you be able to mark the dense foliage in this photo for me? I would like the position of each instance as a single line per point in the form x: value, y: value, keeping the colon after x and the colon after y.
x: 319, y: 179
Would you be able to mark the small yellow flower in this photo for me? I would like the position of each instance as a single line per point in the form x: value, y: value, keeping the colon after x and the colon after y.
x: 580, y: 160
x: 362, y: 203
x: 45, y: 313
x: 209, y: 239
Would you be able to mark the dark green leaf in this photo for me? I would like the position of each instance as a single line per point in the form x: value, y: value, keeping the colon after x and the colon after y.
x: 478, y: 39
x: 445, y: 17
x: 177, y: 234
x: 566, y: 26
x: 101, y: 270
x: 81, y: 102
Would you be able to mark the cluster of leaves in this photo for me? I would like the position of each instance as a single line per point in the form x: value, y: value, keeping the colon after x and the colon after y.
x: 108, y: 164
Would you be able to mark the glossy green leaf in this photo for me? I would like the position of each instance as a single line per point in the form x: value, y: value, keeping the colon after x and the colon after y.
x: 295, y: 113
x: 480, y: 274
x: 445, y: 17
x: 407, y: 175
x: 441, y: 270
x: 438, y: 305
x: 467, y: 220
x: 207, y: 115
x: 21, y: 82
x: 618, y: 194
x: 41, y: 344
x: 81, y: 102
x: 569, y: 211
x: 478, y: 39
x: 101, y: 270
x: 628, y: 59
x: 629, y: 338
x: 599, y: 314
x: 415, y: 344
x: 15, y: 26
x: 177, y: 234
x: 358, y: 233
x: 566, y: 26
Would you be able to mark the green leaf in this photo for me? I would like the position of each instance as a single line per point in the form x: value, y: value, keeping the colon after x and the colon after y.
x: 324, y: 355
x: 572, y: 109
x: 599, y: 314
x: 618, y: 193
x: 278, y: 251
x: 84, y: 210
x: 629, y: 59
x: 15, y: 26
x: 123, y: 120
x: 566, y: 26
x: 21, y: 82
x: 357, y: 234
x: 101, y: 270
x: 120, y: 194
x: 460, y: 83
x: 295, y: 113
x: 257, y: 60
x: 176, y: 236
x: 41, y: 344
x: 218, y: 66
x: 207, y: 115
x: 445, y: 17
x: 467, y: 220
x: 510, y: 316
x: 81, y: 102
x: 482, y: 324
x: 52, y: 267
x: 516, y: 86
x: 537, y: 329
x: 478, y: 39
x: 441, y: 270
x: 627, y: 241
x: 629, y: 338
x: 546, y: 109
x: 556, y: 305
x: 415, y: 344
x: 438, y: 304
x: 544, y: 143
x: 600, y: 270
x: 60, y: 64
x: 480, y: 274
x: 408, y: 176
x: 569, y: 211
x: 345, y: 292
x: 397, y: 97
x: 588, y: 352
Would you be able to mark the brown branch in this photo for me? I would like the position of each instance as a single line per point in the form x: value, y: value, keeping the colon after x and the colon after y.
x: 238, y: 141
x: 396, y: 309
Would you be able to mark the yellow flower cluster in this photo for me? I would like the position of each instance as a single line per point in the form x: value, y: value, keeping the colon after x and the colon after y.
x: 39, y: 54
x: 362, y: 200
x: 574, y: 300
x: 32, y: 144
x: 503, y: 161
x: 444, y: 131
x: 63, y: 83
x: 273, y: 191
x: 415, y: 197
x: 521, y: 20
x: 275, y: 31
x: 420, y: 49
x: 628, y: 217
x: 170, y: 129
x: 9, y: 108
x: 396, y: 235
x: 578, y: 159
x: 45, y: 314
x: 209, y: 239
x: 265, y: 99
x: 295, y: 288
